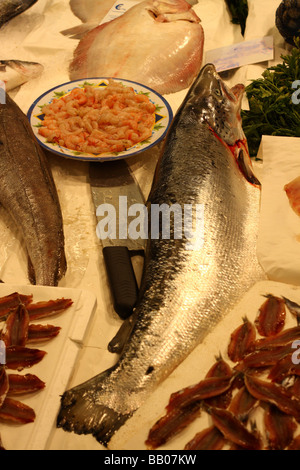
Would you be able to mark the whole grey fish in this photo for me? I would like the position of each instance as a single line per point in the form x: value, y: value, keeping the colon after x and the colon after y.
x: 185, y: 291
x: 11, y: 8
x: 28, y: 193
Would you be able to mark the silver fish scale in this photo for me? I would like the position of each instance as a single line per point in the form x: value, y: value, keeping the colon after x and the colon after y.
x: 187, y: 292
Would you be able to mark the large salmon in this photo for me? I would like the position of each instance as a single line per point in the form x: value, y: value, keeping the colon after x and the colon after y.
x: 185, y: 291
x: 28, y: 193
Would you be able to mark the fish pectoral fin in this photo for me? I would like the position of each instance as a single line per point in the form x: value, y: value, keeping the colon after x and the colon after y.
x: 245, y: 166
x: 117, y: 343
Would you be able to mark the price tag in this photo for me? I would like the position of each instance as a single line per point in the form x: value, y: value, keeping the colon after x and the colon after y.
x: 243, y: 53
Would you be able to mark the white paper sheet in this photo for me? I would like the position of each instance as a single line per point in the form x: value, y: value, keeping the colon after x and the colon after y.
x: 279, y: 228
x: 57, y: 366
x: 134, y: 433
x: 240, y: 54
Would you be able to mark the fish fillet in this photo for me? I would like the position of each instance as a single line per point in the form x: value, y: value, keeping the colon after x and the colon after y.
x: 186, y: 289
x: 156, y: 43
x: 28, y: 193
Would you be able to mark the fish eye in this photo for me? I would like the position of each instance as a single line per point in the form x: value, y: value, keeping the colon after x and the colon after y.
x: 217, y: 92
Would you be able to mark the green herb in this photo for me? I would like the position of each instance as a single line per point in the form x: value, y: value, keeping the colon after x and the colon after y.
x: 158, y: 108
x: 158, y: 126
x: 84, y: 84
x: 59, y: 94
x: 271, y: 108
x: 239, y: 12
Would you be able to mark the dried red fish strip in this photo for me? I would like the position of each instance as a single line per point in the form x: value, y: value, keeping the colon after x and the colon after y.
x: 235, y: 447
x: 275, y: 394
x: 16, y: 412
x: 220, y: 368
x: 171, y: 424
x: 284, y: 368
x: 241, y: 340
x: 21, y: 384
x: 184, y: 405
x: 293, y: 307
x: 15, y: 331
x: 48, y: 308
x: 281, y: 339
x: 279, y: 427
x: 234, y: 430
x: 264, y: 357
x: 19, y: 357
x: 4, y: 385
x: 11, y: 301
x: 242, y: 404
x: 295, y: 389
x: 38, y: 333
x: 208, y: 439
x: 220, y: 401
x: 271, y: 317
x: 206, y: 388
x: 295, y: 444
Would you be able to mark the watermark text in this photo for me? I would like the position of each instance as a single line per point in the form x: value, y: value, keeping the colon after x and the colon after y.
x: 2, y: 353
x: 296, y: 354
x: 159, y: 221
x: 296, y: 94
x: 2, y: 92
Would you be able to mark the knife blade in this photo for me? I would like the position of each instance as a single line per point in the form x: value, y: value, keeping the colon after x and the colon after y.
x: 114, y: 189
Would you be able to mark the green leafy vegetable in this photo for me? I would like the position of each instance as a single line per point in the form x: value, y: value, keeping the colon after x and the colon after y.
x: 272, y: 111
x: 239, y: 12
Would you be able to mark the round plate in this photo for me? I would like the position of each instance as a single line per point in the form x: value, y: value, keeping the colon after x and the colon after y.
x: 163, y: 119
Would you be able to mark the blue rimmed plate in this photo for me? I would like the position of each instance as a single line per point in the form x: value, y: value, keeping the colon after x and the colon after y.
x: 163, y: 119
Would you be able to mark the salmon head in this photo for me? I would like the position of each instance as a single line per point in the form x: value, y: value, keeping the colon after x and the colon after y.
x: 214, y: 104
x: 218, y: 105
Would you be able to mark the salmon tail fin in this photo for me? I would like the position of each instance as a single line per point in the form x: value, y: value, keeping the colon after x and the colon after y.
x: 82, y: 412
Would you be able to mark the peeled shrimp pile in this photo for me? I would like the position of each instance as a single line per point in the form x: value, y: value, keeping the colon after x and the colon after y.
x: 99, y: 120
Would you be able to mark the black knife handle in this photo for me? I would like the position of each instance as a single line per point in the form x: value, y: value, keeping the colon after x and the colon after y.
x: 121, y: 278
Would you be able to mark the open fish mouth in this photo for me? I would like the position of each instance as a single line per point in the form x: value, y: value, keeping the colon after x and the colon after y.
x: 219, y: 107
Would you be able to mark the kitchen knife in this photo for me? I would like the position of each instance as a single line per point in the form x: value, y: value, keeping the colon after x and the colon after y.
x: 109, y: 181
